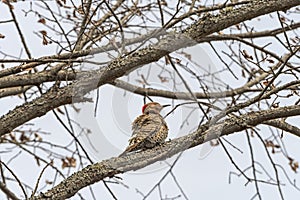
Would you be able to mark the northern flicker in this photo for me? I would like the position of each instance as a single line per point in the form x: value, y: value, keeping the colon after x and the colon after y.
x: 148, y: 129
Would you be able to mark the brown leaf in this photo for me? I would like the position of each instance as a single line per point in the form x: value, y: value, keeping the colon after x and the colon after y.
x: 265, y: 83
x: 60, y: 111
x: 64, y: 163
x: 291, y: 160
x: 45, y: 41
x: 72, y: 161
x: 177, y: 60
x: 12, y: 137
x: 37, y: 137
x: 269, y: 143
x: 68, y: 162
x: 42, y: 21
x: 2, y: 36
x: 7, y: 2
x: 59, y: 3
x: 49, y: 182
x: 163, y: 3
x: 273, y: 150
x: 282, y: 19
x: 24, y: 138
x: 246, y: 55
x: 43, y: 32
x: 294, y: 166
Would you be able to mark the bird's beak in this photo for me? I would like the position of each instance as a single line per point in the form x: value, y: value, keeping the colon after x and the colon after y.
x: 166, y: 105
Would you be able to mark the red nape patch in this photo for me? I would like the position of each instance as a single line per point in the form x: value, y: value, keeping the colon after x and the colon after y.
x: 144, y: 107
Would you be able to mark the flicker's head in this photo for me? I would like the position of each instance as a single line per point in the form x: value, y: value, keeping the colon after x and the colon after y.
x: 152, y: 107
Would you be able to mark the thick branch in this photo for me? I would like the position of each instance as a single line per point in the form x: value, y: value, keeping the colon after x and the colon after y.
x: 108, y: 168
x: 284, y: 126
x: 64, y: 75
x: 8, y: 192
x: 13, y: 91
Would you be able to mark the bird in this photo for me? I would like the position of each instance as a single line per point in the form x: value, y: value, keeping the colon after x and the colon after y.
x: 149, y: 129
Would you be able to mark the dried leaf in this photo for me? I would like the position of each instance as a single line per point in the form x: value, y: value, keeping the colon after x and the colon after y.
x: 60, y: 111
x: 246, y: 55
x: 43, y: 32
x: 7, y: 2
x: 45, y: 41
x: 265, y: 83
x: 2, y: 36
x: 282, y: 19
x: 269, y: 143
x: 42, y: 21
x: 38, y: 137
x: 59, y: 3
x: 163, y: 3
x: 68, y: 162
x: 64, y: 163
x: 291, y: 160
x: 72, y: 161
x: 24, y: 138
x: 177, y: 60
x: 12, y: 137
x: 294, y: 166
x: 49, y: 182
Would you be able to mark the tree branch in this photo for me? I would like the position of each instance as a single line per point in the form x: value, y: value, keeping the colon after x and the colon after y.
x: 116, y: 165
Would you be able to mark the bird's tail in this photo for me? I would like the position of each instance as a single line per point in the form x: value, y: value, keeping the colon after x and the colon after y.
x: 130, y: 148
